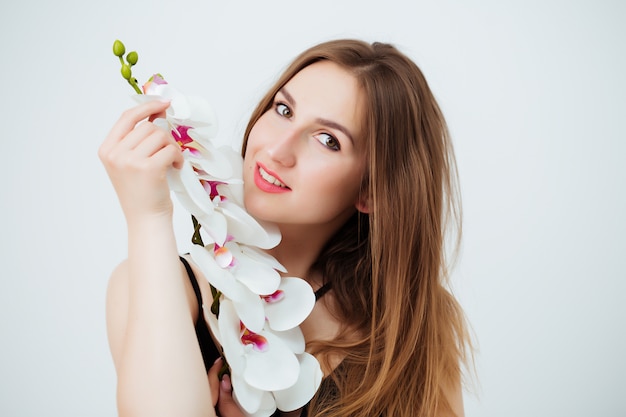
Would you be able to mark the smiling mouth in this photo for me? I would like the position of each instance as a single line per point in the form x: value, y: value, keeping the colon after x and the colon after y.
x: 270, y: 178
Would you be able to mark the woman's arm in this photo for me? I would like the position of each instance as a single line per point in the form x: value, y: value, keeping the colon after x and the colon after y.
x: 150, y: 317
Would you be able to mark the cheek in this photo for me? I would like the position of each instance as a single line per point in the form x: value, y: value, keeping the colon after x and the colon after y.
x: 259, y: 131
x: 343, y: 182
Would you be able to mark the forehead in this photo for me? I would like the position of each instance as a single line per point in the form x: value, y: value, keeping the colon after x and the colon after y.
x: 328, y: 91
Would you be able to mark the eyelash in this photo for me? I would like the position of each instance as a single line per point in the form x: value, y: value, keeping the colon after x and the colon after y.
x: 278, y: 106
x: 328, y: 137
x: 280, y: 109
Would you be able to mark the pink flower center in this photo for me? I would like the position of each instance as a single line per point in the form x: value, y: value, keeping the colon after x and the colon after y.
x: 258, y: 342
x: 181, y: 135
x: 275, y: 297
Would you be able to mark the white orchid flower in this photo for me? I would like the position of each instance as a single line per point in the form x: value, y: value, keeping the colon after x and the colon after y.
x: 192, y: 123
x: 266, y: 373
x: 259, y: 311
x: 250, y: 279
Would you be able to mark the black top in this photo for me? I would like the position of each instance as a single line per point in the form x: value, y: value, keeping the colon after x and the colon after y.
x: 210, y: 352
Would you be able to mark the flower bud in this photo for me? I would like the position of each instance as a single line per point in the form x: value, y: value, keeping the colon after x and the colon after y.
x: 118, y: 48
x: 132, y: 58
x: 126, y: 71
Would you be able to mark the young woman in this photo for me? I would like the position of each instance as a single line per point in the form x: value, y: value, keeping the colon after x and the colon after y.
x: 348, y: 153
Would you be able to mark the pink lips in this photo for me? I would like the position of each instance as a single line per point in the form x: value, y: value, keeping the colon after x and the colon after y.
x: 267, y: 186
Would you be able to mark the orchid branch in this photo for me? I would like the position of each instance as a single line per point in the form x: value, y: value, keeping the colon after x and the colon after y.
x: 131, y: 59
x: 259, y: 333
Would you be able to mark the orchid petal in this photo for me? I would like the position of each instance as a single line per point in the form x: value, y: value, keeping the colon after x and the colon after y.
x: 145, y: 98
x: 262, y: 257
x: 220, y: 278
x: 195, y: 199
x: 275, y: 297
x: 213, y: 223
x: 295, y: 306
x: 249, y: 307
x: 194, y: 188
x: 293, y: 338
x: 300, y: 393
x: 268, y: 406
x: 248, y: 397
x: 212, y: 322
x: 151, y: 85
x: 192, y: 110
x: 235, y: 192
x: 275, y: 369
x: 210, y: 162
x: 257, y: 341
x: 235, y: 160
x: 246, y: 228
x: 213, y: 160
x: 229, y: 327
x: 223, y: 257
x: 174, y: 181
x: 259, y: 278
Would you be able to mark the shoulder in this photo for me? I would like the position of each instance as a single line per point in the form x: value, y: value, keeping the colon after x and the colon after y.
x: 193, y: 276
x: 324, y: 326
x: 453, y: 393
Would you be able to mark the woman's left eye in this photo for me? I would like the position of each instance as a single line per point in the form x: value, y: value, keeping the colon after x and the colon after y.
x: 283, y: 110
x: 329, y: 141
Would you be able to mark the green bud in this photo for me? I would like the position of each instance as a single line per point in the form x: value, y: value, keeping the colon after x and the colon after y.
x: 118, y: 48
x: 132, y: 58
x: 126, y: 71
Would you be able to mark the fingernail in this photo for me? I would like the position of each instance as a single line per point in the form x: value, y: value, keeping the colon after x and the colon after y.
x: 226, y: 385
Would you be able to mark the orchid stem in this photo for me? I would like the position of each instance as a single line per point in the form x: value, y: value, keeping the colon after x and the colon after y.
x: 196, y: 239
x: 225, y: 369
x: 133, y: 84
x: 215, y: 305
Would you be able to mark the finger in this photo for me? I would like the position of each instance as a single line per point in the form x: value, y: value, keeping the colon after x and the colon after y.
x: 129, y: 119
x: 226, y: 405
x: 138, y: 135
x: 160, y: 115
x: 146, y: 141
x: 214, y: 382
x: 126, y: 124
x: 169, y: 155
x: 142, y: 142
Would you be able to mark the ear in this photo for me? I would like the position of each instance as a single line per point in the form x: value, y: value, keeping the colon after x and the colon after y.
x: 362, y: 204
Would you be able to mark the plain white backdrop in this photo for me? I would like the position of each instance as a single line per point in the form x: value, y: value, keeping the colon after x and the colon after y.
x: 535, y: 97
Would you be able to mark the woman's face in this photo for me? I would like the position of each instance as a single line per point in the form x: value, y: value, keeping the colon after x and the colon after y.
x: 304, y: 159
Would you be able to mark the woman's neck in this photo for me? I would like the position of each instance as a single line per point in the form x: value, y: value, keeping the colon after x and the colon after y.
x: 299, y: 249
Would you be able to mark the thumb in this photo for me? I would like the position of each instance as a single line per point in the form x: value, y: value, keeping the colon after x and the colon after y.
x: 226, y: 404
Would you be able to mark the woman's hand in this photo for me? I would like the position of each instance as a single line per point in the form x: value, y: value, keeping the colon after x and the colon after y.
x: 222, y: 393
x: 137, y: 155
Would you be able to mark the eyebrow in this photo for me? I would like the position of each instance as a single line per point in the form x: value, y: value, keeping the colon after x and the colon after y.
x: 325, y: 122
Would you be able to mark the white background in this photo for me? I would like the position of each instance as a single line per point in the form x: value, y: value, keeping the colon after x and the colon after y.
x: 535, y: 96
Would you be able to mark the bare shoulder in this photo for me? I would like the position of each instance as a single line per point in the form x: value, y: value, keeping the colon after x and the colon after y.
x: 454, y: 396
x: 203, y: 284
x: 323, y: 325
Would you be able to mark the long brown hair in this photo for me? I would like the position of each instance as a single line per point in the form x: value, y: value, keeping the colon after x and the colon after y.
x: 388, y: 268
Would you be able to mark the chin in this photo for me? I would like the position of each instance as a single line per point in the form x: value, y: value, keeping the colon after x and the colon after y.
x: 258, y: 210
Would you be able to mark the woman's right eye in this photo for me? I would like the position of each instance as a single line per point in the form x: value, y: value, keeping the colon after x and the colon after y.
x: 283, y: 110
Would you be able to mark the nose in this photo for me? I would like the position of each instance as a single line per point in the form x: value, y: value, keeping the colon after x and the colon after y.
x: 284, y: 148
